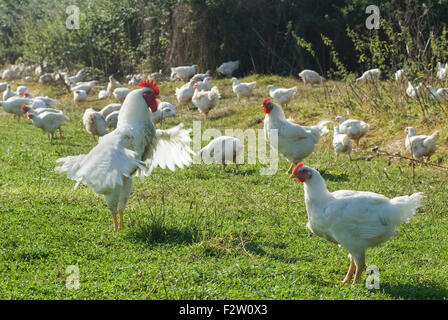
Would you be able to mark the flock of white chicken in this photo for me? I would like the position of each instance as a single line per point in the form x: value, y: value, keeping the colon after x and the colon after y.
x: 130, y: 145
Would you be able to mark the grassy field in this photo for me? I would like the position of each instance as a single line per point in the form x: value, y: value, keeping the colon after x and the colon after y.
x: 205, y: 233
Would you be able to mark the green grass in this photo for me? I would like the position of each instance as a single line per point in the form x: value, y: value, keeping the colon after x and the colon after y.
x: 205, y: 233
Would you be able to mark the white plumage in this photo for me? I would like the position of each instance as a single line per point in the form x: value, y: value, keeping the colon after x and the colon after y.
x: 185, y: 93
x: 440, y: 94
x: 412, y: 91
x: 311, y: 77
x: 14, y: 105
x: 206, y: 100
x: 222, y: 150
x: 341, y: 143
x: 204, y: 85
x: 79, y: 96
x: 442, y: 70
x: 282, y: 95
x: 421, y: 146
x: 48, y: 121
x: 164, y: 110
x: 8, y: 93
x: 370, y: 75
x: 295, y: 142
x: 244, y: 89
x: 134, y: 148
x: 356, y: 220
x: 94, y: 123
x: 112, y: 119
x: 183, y: 73
x: 355, y: 129
x: 109, y: 109
x: 121, y: 93
x: 86, y: 86
x: 228, y: 68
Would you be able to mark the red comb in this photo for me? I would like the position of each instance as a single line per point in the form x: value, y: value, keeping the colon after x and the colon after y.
x: 149, y: 84
x: 24, y: 107
x: 300, y: 165
x: 266, y: 100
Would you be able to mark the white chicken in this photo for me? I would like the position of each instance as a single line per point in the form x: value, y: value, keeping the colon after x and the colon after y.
x: 228, y: 68
x: 294, y: 142
x: 86, y: 86
x: 8, y: 93
x: 76, y: 78
x: 206, y: 100
x: 244, y: 89
x: 370, y: 75
x: 400, y: 74
x: 356, y: 220
x: 34, y: 111
x: 94, y: 123
x: 49, y: 122
x: 113, y: 84
x: 204, y: 85
x: 134, y: 148
x: 3, y: 86
x: 440, y: 94
x: 14, y: 105
x: 442, y: 70
x: 49, y: 102
x: 282, y: 95
x: 109, y: 109
x: 20, y: 91
x: 185, y: 93
x: 413, y: 92
x: 222, y: 150
x: 164, y: 110
x: 421, y: 146
x: 112, y: 119
x: 355, y: 129
x: 202, y: 76
x: 311, y: 77
x: 341, y: 143
x: 79, y: 96
x: 183, y: 73
x: 121, y: 93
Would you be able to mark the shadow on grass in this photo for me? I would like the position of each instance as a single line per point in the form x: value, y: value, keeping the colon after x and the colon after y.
x: 424, y: 291
x: 334, y: 175
x: 255, y: 248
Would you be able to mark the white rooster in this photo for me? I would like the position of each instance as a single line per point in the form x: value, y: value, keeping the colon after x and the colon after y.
x: 355, y: 129
x: 282, y: 95
x: 244, y: 89
x: 295, y: 142
x: 421, y: 146
x: 134, y: 148
x: 356, y: 220
x: 206, y: 100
